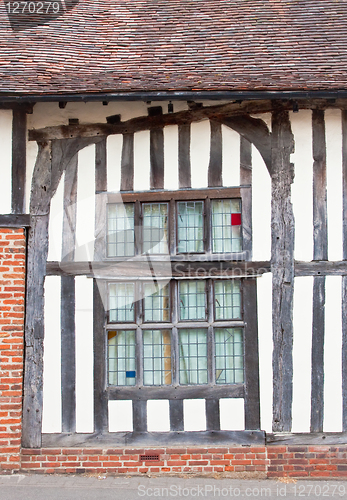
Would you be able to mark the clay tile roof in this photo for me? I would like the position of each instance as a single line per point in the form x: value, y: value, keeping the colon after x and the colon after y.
x: 163, y: 45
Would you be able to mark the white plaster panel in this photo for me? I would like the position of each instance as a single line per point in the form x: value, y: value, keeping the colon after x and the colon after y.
x: 114, y: 160
x: 200, y: 153
x: 51, y: 419
x: 84, y: 354
x: 302, y: 345
x: 120, y: 416
x: 85, y: 204
x: 6, y: 160
x: 158, y: 415
x: 333, y: 125
x: 142, y: 163
x: 264, y: 294
x: 302, y: 194
x: 232, y: 414
x: 231, y: 157
x: 194, y: 414
x: 171, y: 157
x: 56, y: 223
x: 32, y: 150
x: 332, y: 356
x: 261, y: 208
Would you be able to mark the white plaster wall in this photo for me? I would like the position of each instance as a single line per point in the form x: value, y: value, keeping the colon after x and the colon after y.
x: 6, y: 161
x: 114, y: 160
x: 302, y: 196
x: 194, y: 414
x: 232, y: 414
x: 261, y: 208
x: 142, y: 161
x: 302, y: 335
x: 231, y: 157
x: 200, y: 153
x: 51, y: 420
x: 120, y: 416
x: 264, y: 294
x: 333, y: 126
x: 158, y: 415
x: 171, y: 157
x: 332, y: 356
x: 84, y: 354
x: 85, y: 205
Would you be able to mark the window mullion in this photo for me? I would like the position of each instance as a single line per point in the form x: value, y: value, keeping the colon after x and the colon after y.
x: 175, y: 356
x: 138, y: 228
x: 207, y: 226
x: 210, y: 356
x: 139, y: 357
x: 139, y: 302
x: 172, y: 228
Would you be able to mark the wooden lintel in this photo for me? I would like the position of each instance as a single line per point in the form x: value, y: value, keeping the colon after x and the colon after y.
x: 304, y: 439
x: 112, y: 439
x: 15, y: 220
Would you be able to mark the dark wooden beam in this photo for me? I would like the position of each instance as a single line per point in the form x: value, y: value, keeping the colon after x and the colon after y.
x: 19, y: 139
x: 176, y: 415
x: 15, y: 220
x: 344, y: 278
x: 181, y: 194
x: 246, y: 194
x: 100, y: 199
x: 156, y: 151
x: 303, y: 439
x: 184, y: 167
x: 68, y: 353
x: 317, y: 355
x: 212, y: 415
x: 216, y: 156
x: 140, y: 416
x: 320, y: 252
x: 282, y: 266
x: 252, y: 395
x: 127, y: 164
x: 199, y: 438
x: 99, y: 352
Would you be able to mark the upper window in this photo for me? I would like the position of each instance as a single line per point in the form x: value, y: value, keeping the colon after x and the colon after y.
x: 198, y: 227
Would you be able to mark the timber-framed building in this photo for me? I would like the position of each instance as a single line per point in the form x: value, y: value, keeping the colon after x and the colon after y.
x: 173, y: 276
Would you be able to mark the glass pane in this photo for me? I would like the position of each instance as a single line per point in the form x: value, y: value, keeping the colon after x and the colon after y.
x: 155, y: 227
x: 156, y: 302
x: 193, y: 356
x: 229, y: 355
x: 226, y: 226
x: 122, y: 302
x: 192, y: 299
x: 227, y: 296
x: 156, y: 357
x: 121, y: 358
x: 120, y: 230
x: 190, y: 224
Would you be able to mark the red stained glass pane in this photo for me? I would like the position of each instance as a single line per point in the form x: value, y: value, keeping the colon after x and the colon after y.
x: 236, y: 219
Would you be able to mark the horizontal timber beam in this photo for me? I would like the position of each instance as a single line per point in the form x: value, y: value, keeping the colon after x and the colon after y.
x: 15, y: 220
x: 313, y: 438
x: 113, y: 439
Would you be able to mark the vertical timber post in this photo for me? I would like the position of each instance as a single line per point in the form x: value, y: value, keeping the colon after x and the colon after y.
x: 282, y: 268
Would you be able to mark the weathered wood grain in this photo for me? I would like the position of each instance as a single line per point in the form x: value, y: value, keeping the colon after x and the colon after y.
x: 252, y: 394
x: 70, y: 211
x: 181, y: 194
x: 156, y: 151
x: 184, y: 166
x: 177, y: 392
x: 68, y: 353
x: 100, y: 200
x: 246, y: 195
x: 255, y: 131
x: 19, y: 140
x: 321, y: 268
x: 15, y: 220
x: 127, y: 163
x: 302, y: 439
x: 139, y: 415
x: 176, y: 415
x: 140, y: 269
x: 317, y: 371
x: 216, y: 156
x: 282, y: 266
x: 320, y: 229
x: 99, y: 353
x: 201, y: 438
x: 212, y: 415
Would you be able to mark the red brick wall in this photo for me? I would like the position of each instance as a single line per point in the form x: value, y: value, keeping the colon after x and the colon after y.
x: 12, y: 290
x: 270, y: 461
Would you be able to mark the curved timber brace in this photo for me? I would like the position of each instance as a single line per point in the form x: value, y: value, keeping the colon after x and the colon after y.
x: 53, y: 159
